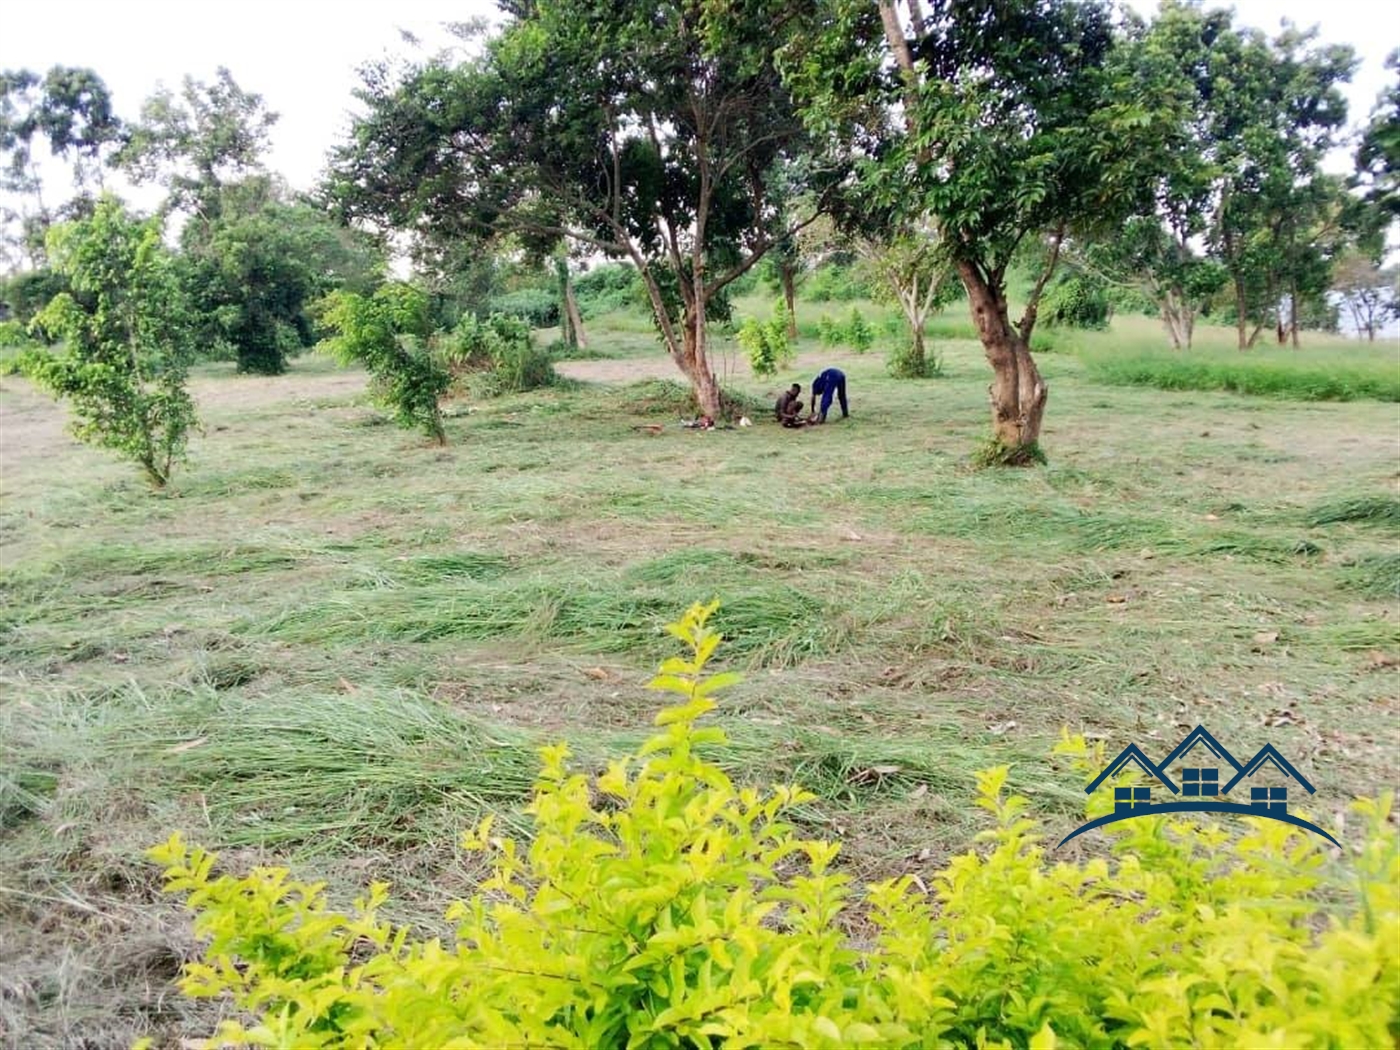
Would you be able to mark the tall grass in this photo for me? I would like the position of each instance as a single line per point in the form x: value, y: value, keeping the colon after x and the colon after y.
x: 1282, y: 374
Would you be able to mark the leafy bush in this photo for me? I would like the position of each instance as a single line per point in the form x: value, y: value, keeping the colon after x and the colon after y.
x: 502, y: 349
x: 28, y: 292
x: 614, y: 286
x: 387, y: 333
x: 127, y: 337
x: 538, y: 307
x: 835, y: 283
x: 14, y: 336
x: 1076, y: 300
x: 910, y: 361
x: 858, y: 333
x: 767, y: 342
x: 660, y: 905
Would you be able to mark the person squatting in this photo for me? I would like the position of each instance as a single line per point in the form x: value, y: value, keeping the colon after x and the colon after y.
x: 829, y: 386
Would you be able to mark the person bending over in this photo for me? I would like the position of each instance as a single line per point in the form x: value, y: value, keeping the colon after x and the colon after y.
x: 830, y: 384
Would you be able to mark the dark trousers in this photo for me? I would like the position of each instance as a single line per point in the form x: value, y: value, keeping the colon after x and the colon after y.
x: 840, y: 393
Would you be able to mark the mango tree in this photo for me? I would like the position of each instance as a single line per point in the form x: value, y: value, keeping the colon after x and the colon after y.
x: 1014, y: 123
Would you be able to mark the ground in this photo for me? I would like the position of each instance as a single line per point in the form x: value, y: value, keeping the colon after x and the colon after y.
x: 334, y: 646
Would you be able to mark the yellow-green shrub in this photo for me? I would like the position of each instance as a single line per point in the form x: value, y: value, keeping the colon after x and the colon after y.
x: 661, y: 905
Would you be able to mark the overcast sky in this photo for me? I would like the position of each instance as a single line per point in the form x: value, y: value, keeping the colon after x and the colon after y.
x: 302, y: 55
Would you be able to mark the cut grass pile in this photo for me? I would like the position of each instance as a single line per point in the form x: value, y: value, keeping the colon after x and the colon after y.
x: 1375, y: 575
x: 770, y: 626
x: 1365, y: 510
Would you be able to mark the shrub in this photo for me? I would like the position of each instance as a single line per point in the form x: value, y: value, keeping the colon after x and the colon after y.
x: 828, y: 331
x: 13, y: 336
x: 767, y: 342
x: 502, y: 349
x: 1076, y: 300
x: 835, y: 283
x: 127, y: 337
x: 909, y: 361
x: 538, y: 307
x: 660, y: 905
x: 28, y: 292
x: 613, y: 286
x: 858, y: 333
x: 387, y: 333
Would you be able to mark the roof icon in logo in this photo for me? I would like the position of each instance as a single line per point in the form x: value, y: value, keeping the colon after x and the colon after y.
x: 1205, y: 764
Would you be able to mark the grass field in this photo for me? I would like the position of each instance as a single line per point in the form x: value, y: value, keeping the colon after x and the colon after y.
x: 336, y: 647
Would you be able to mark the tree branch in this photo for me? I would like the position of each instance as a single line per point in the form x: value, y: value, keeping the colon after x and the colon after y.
x: 1033, y: 303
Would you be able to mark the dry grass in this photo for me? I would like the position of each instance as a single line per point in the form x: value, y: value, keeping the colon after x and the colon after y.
x: 334, y: 646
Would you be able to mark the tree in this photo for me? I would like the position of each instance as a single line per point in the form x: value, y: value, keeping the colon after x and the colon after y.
x: 127, y: 338
x: 1184, y: 54
x: 570, y: 319
x: 1368, y: 293
x: 1378, y: 158
x: 252, y: 270
x: 1011, y: 122
x: 1278, y: 108
x: 647, y: 132
x: 916, y: 275
x: 387, y: 333
x: 69, y: 111
x: 194, y: 143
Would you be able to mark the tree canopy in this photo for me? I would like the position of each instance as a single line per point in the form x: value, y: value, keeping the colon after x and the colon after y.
x: 655, y: 133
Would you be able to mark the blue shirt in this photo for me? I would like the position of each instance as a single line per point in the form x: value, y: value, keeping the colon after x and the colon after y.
x: 826, y: 384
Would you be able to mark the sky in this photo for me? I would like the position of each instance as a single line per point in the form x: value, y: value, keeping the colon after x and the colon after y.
x: 302, y: 55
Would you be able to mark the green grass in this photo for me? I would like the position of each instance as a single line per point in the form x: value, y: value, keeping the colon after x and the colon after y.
x: 334, y: 647
x: 1375, y: 575
x: 1326, y: 369
x: 1368, y: 510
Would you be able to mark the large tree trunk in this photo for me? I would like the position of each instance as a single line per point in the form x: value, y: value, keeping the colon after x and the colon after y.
x: 687, y: 346
x: 789, y: 297
x: 1017, y: 392
x: 695, y: 363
